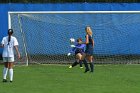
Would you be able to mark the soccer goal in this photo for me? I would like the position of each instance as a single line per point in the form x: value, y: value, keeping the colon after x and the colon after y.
x: 44, y: 35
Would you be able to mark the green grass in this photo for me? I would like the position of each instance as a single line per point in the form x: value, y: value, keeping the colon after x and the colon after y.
x: 61, y: 79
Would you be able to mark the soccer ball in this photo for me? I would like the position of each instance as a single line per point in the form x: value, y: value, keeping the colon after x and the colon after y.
x: 72, y: 40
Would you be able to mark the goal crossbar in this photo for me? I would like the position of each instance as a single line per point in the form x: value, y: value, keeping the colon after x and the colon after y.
x: 72, y: 12
x: 67, y: 12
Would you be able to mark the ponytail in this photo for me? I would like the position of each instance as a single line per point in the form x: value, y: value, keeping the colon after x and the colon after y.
x: 10, y: 32
x: 9, y: 39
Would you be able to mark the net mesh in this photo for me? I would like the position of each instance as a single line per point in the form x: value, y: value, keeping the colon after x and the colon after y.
x: 45, y: 37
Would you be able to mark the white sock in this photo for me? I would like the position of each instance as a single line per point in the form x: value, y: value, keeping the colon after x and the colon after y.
x: 11, y: 74
x: 5, y: 70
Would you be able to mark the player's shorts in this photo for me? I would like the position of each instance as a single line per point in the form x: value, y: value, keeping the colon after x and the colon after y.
x: 8, y: 59
x: 89, y: 51
x: 79, y: 52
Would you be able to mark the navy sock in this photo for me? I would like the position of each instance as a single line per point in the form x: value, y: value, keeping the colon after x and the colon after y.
x: 74, y: 64
x: 86, y: 64
x: 80, y: 62
x: 91, y: 66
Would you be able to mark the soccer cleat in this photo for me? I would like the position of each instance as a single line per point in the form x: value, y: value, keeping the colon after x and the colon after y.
x: 86, y: 70
x: 11, y: 81
x: 91, y: 71
x: 4, y: 80
x: 81, y: 67
x: 70, y: 66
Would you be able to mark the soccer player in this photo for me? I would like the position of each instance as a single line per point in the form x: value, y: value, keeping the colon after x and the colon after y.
x: 89, y: 50
x: 8, y: 43
x: 78, y: 49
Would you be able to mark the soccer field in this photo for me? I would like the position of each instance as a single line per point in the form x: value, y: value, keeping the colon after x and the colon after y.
x: 61, y: 79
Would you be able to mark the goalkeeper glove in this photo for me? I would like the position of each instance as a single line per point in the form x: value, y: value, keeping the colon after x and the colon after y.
x: 72, y: 46
x: 68, y: 54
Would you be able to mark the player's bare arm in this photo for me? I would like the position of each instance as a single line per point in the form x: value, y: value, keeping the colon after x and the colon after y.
x: 92, y: 42
x: 18, y: 54
x: 87, y: 40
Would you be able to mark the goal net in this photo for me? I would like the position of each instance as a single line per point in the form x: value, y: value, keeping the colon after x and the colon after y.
x: 44, y: 36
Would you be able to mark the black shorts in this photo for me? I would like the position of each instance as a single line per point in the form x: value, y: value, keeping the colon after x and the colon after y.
x: 79, y: 52
x: 89, y: 51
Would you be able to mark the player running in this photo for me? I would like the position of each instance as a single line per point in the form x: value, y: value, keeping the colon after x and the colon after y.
x: 8, y: 43
x: 78, y: 49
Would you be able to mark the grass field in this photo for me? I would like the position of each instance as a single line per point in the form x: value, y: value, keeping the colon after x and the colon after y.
x: 61, y: 79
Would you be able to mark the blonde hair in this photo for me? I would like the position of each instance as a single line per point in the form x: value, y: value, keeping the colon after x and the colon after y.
x: 88, y: 30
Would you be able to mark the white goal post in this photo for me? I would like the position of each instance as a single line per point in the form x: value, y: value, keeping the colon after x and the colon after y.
x: 55, y: 12
x: 66, y: 12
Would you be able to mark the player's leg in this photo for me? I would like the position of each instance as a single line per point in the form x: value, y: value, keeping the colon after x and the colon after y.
x: 11, y: 63
x: 5, y: 69
x: 89, y: 56
x: 74, y: 64
x: 79, y: 56
x: 85, y: 62
x: 10, y: 71
x: 90, y: 60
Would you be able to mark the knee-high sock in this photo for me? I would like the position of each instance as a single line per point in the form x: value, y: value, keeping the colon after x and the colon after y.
x: 86, y: 64
x: 11, y: 74
x: 74, y: 64
x: 5, y: 70
x: 80, y: 62
x: 91, y: 66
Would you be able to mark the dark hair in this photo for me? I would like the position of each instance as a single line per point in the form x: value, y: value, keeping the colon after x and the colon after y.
x: 79, y: 39
x: 10, y: 32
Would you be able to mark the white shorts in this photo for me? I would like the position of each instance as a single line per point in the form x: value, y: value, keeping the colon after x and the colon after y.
x: 8, y: 59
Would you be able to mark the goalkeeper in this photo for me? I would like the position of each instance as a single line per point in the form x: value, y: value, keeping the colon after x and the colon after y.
x: 78, y: 50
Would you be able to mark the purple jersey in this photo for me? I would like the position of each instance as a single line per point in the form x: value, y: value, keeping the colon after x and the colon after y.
x: 79, y: 48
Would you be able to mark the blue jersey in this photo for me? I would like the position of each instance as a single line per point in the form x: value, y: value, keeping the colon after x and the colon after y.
x: 79, y: 48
